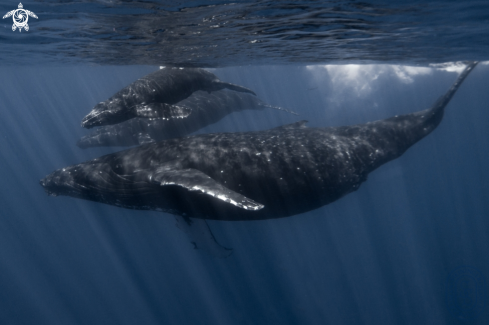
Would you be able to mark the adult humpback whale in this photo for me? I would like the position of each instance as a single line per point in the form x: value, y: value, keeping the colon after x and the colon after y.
x: 246, y: 176
x: 205, y: 109
x: 154, y: 96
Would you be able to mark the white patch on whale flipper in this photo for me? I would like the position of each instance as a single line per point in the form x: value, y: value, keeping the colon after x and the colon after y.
x: 201, y: 236
x: 162, y: 111
x: 144, y: 138
x: 195, y: 180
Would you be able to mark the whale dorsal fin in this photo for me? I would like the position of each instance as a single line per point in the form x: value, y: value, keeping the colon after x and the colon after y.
x: 296, y: 125
x: 195, y: 180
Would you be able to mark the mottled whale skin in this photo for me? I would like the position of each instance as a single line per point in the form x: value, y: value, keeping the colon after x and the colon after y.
x: 205, y: 109
x: 154, y: 96
x: 275, y: 173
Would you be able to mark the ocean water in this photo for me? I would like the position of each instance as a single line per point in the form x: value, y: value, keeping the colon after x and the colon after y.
x: 409, y: 247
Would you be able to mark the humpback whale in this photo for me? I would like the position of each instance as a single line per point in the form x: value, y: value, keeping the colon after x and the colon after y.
x: 205, y: 109
x: 154, y: 96
x: 267, y: 174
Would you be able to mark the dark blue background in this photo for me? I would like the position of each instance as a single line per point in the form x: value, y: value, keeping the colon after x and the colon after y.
x: 409, y: 247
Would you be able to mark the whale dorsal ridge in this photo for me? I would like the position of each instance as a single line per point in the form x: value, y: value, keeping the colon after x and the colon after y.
x: 195, y: 180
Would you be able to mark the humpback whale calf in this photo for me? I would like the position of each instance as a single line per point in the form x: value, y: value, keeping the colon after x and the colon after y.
x: 205, y: 109
x: 275, y: 173
x: 154, y: 96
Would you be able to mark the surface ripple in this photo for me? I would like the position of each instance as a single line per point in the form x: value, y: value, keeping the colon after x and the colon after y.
x: 225, y: 33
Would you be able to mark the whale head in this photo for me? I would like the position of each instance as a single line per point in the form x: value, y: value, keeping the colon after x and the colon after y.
x: 85, y: 181
x: 101, y: 181
x: 111, y: 111
x: 60, y: 182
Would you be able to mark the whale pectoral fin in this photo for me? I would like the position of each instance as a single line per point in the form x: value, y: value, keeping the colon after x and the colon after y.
x: 195, y: 180
x: 201, y: 236
x: 162, y: 111
x: 296, y: 125
x: 263, y: 104
x: 234, y: 87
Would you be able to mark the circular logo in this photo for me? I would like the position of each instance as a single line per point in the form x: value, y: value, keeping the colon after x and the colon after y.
x: 20, y: 18
x: 466, y: 293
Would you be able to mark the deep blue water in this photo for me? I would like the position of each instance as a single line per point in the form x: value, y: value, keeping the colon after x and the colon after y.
x: 409, y: 247
x: 384, y: 254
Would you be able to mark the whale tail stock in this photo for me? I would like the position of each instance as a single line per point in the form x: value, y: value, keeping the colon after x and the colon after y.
x: 442, y: 102
x: 388, y: 139
x: 431, y: 117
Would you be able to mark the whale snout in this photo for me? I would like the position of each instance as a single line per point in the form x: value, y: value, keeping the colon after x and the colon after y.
x: 60, y: 182
x: 88, y: 122
x: 97, y: 116
x: 45, y: 183
x: 106, y: 113
x: 49, y: 186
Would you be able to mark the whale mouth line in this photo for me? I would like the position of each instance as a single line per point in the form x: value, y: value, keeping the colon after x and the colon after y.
x: 89, y: 119
x: 44, y: 184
